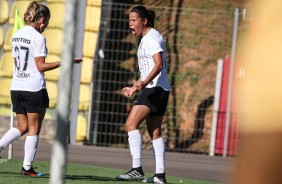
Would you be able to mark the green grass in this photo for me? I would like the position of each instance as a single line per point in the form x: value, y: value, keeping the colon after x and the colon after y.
x: 80, y: 174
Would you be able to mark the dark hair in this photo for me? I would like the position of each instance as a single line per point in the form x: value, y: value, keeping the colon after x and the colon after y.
x: 36, y: 11
x: 143, y: 12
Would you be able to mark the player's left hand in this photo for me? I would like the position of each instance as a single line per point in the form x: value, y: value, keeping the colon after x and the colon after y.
x: 139, y: 85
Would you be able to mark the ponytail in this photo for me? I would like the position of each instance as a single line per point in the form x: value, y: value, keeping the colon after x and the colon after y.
x: 151, y: 18
x: 35, y: 11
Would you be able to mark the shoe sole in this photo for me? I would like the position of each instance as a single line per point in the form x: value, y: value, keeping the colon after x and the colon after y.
x: 32, y: 175
x: 133, y: 179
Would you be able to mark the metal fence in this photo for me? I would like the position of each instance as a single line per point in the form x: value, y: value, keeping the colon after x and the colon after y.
x: 195, y: 40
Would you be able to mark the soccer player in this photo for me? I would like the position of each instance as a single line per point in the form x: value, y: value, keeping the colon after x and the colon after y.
x: 154, y: 90
x: 28, y: 88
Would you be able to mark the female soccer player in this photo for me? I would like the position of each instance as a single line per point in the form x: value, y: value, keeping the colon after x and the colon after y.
x: 152, y: 101
x: 28, y: 88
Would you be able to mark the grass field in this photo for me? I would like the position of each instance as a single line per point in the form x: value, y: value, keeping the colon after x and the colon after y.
x: 80, y: 174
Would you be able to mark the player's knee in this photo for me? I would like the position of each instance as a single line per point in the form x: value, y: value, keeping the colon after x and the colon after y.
x: 23, y: 129
x: 156, y: 135
x: 33, y: 131
x: 130, y: 126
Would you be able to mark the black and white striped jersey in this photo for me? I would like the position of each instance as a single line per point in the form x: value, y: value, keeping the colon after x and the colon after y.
x: 151, y: 44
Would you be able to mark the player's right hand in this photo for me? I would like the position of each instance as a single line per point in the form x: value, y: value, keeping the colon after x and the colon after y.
x: 77, y: 60
x: 128, y: 91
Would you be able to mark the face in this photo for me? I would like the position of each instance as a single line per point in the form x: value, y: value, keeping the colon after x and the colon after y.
x: 136, y: 24
x: 43, y: 23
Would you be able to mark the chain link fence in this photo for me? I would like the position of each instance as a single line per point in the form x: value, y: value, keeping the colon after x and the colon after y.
x: 195, y: 40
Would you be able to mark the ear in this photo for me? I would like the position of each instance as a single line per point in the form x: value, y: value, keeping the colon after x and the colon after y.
x: 40, y: 20
x: 145, y: 21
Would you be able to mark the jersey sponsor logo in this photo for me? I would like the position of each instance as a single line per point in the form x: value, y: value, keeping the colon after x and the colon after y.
x: 23, y: 40
x: 23, y: 75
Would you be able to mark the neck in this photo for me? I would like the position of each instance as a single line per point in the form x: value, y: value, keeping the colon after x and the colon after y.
x: 34, y: 25
x: 146, y: 30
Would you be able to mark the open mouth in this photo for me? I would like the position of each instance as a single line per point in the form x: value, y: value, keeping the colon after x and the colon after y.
x: 133, y: 31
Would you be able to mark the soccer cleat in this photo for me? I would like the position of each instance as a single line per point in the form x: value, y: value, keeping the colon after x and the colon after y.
x: 133, y: 174
x: 157, y: 178
x: 31, y: 173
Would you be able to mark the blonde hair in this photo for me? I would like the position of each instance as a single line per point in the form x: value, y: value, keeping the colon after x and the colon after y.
x: 36, y: 11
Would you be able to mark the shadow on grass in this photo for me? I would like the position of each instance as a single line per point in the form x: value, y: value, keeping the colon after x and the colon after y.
x: 68, y: 177
x: 89, y: 178
x: 99, y: 178
x: 80, y: 178
x: 18, y: 175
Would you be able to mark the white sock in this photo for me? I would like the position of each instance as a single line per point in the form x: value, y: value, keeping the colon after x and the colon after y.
x: 30, y: 149
x: 135, y: 145
x: 153, y: 155
x: 9, y: 137
x: 159, y: 154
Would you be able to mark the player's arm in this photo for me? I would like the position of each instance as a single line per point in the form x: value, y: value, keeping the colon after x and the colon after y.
x: 15, y: 62
x: 42, y: 66
x: 155, y: 71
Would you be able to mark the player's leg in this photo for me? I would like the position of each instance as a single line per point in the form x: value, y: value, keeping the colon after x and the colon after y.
x: 37, y: 102
x: 154, y: 124
x: 154, y: 130
x: 22, y: 128
x: 137, y: 114
x: 15, y: 132
x: 158, y: 102
x: 31, y: 142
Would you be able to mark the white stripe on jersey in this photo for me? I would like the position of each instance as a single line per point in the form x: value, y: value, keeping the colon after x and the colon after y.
x: 151, y: 44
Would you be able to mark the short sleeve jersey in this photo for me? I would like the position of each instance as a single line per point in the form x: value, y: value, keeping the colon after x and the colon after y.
x: 28, y: 43
x: 151, y: 44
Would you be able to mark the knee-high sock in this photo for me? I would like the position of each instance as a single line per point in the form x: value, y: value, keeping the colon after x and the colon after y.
x: 9, y: 137
x: 159, y: 155
x: 135, y: 145
x: 30, y: 149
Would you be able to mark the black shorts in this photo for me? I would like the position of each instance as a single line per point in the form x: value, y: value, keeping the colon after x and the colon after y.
x: 155, y: 99
x: 29, y: 102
